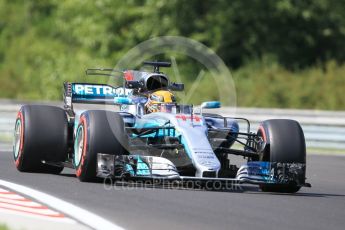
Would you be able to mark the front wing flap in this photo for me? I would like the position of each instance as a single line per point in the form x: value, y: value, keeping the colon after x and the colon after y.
x: 272, y: 173
x: 162, y: 170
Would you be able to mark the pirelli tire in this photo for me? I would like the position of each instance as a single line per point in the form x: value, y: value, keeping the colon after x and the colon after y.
x: 41, y: 134
x: 98, y: 132
x: 286, y: 144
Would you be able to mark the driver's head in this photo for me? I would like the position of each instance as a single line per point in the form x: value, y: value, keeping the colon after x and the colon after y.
x: 158, y: 98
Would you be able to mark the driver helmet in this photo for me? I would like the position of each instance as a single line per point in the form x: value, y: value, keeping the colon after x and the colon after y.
x: 159, y: 101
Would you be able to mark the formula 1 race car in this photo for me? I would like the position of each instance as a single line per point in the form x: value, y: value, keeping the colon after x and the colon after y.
x: 152, y: 137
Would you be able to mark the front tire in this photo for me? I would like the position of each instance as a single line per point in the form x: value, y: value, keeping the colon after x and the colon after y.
x: 285, y: 144
x: 98, y: 132
x: 40, y: 134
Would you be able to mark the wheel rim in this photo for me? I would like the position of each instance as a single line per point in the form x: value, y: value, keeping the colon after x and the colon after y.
x: 79, y: 146
x: 264, y: 156
x: 17, y: 138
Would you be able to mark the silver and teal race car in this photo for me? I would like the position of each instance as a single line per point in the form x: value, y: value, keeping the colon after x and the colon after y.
x: 176, y: 144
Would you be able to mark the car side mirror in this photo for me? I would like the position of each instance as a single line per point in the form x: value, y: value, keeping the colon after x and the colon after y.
x: 210, y: 105
x: 122, y: 100
x: 133, y: 84
x: 176, y: 86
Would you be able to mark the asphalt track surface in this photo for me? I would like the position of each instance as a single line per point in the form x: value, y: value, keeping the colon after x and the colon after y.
x: 319, y: 207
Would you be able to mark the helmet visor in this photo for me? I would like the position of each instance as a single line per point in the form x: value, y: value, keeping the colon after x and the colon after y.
x: 168, y: 108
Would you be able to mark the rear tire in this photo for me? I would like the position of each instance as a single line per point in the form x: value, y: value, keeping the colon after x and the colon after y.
x: 40, y: 134
x: 285, y: 144
x: 98, y: 132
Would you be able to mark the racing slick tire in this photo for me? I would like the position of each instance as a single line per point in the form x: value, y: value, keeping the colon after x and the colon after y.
x: 285, y: 144
x: 41, y: 133
x: 98, y: 132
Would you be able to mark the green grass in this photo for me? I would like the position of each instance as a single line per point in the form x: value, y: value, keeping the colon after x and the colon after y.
x: 304, y: 69
x: 267, y: 84
x: 6, y: 138
x: 3, y: 227
x: 325, y: 151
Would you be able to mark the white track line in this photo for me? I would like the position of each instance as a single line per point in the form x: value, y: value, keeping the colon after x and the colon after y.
x: 92, y: 220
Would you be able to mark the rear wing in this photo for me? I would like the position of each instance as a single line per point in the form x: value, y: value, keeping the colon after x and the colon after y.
x: 133, y: 81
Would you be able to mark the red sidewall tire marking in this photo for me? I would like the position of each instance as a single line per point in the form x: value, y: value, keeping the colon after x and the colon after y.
x: 20, y: 151
x: 263, y: 133
x: 80, y: 167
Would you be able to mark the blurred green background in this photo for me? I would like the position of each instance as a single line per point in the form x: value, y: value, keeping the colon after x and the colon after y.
x: 282, y: 53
